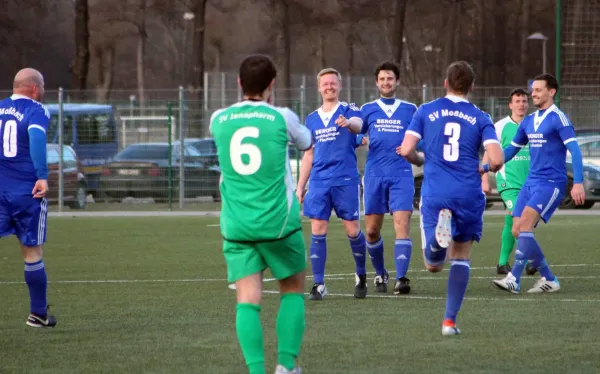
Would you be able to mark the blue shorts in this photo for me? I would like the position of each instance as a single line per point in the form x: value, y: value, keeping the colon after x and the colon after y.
x: 388, y: 194
x: 467, y: 217
x: 543, y: 197
x: 25, y: 217
x: 345, y: 200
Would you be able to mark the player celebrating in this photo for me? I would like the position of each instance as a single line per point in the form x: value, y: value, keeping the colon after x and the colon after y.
x: 260, y: 216
x: 334, y: 180
x: 510, y: 179
x: 452, y: 203
x: 388, y: 181
x: 549, y: 134
x: 24, y: 185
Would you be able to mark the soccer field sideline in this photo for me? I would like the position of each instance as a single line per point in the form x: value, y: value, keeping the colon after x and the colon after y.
x: 491, y: 213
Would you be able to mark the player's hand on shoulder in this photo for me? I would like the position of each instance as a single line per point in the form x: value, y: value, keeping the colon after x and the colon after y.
x: 578, y: 194
x: 40, y: 189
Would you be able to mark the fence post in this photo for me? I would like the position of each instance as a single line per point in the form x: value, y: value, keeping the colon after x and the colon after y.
x: 223, y: 96
x: 363, y: 85
x: 349, y: 89
x: 61, y: 184
x: 170, y: 168
x: 181, y: 145
x: 424, y: 93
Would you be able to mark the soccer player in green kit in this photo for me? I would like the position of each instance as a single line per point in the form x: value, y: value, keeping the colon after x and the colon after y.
x: 510, y: 179
x: 260, y: 214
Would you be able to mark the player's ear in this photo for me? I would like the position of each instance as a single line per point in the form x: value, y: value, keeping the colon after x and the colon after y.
x: 239, y: 82
x: 446, y: 84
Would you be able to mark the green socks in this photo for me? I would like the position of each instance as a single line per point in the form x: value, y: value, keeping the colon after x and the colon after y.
x: 290, y: 328
x: 508, y: 240
x: 250, y: 336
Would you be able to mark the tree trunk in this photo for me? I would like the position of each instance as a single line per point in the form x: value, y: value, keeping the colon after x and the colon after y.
x: 399, y: 30
x: 82, y: 52
x: 287, y: 53
x: 141, y: 46
x: 199, y: 9
x: 106, y: 63
x: 481, y: 31
x: 525, y: 10
x: 451, y: 29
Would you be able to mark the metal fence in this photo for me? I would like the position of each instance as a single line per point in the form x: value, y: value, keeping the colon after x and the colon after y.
x: 182, y: 174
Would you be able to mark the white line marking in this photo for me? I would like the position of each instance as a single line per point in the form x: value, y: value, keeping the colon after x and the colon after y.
x: 117, y: 281
x: 507, y: 298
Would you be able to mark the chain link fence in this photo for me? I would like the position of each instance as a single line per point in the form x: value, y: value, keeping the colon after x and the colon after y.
x: 155, y: 148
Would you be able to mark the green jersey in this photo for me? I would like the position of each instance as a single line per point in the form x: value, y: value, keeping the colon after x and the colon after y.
x: 514, y: 172
x: 257, y: 191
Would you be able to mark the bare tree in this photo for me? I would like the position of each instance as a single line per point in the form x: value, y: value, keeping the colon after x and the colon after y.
x: 399, y: 17
x: 82, y: 51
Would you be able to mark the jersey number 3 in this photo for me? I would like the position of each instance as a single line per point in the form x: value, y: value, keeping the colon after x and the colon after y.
x: 237, y: 150
x: 452, y: 130
x: 9, y: 138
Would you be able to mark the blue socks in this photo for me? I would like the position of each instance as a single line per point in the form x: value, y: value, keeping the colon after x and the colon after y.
x: 434, y: 254
x: 402, y: 252
x: 529, y: 249
x: 458, y: 279
x: 318, y: 256
x: 376, y: 254
x: 37, y: 281
x: 359, y: 251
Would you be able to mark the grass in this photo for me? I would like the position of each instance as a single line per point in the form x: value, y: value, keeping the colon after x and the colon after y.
x: 148, y: 295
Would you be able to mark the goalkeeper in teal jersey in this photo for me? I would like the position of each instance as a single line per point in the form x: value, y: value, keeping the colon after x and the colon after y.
x: 510, y: 179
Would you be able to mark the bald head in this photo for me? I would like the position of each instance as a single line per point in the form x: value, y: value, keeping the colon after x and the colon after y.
x: 29, y: 82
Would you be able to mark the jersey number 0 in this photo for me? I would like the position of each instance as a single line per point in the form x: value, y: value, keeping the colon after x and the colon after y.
x: 237, y: 150
x: 452, y: 130
x: 9, y: 138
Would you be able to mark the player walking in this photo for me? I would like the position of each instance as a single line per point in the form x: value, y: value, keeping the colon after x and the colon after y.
x: 388, y: 181
x: 452, y: 203
x: 334, y: 180
x: 23, y: 184
x: 260, y: 216
x: 511, y: 177
x: 549, y: 134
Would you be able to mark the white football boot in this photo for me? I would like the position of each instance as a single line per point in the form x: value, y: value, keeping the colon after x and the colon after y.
x: 508, y: 283
x: 281, y: 370
x: 544, y: 285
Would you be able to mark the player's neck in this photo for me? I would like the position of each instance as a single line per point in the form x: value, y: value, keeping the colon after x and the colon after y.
x: 546, y: 105
x: 329, y: 105
x: 388, y: 99
x: 462, y: 96
x: 253, y: 98
x: 517, y: 119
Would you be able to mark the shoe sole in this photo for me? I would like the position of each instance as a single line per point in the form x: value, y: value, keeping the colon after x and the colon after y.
x: 502, y: 288
x: 38, y: 326
x: 443, y: 230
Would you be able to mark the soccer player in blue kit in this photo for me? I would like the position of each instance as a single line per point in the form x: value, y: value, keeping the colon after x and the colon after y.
x: 549, y: 134
x: 23, y: 183
x: 334, y: 180
x: 388, y: 181
x: 452, y: 201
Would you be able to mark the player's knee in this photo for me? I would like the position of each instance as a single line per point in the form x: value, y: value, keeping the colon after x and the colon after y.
x: 32, y: 253
x: 352, y: 228
x: 249, y: 289
x: 318, y: 227
x: 373, y: 234
x: 516, y: 230
x: 433, y: 268
x: 293, y: 284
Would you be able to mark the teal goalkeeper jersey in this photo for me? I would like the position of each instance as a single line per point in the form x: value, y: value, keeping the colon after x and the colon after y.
x: 514, y: 173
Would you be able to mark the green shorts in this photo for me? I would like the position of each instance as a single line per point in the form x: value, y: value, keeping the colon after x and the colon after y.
x: 284, y: 257
x: 509, y: 197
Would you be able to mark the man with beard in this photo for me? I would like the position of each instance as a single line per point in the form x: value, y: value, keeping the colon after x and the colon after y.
x: 334, y: 180
x: 388, y: 180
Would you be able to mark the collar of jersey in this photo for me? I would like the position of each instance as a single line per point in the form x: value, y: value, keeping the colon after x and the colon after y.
x: 17, y: 97
x: 456, y: 99
x: 322, y: 112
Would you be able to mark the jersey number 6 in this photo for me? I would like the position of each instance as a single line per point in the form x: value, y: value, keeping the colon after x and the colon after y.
x: 237, y: 150
x: 9, y: 138
x: 452, y: 130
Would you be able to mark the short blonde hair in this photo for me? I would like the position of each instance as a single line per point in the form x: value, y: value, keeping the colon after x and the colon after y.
x: 329, y: 71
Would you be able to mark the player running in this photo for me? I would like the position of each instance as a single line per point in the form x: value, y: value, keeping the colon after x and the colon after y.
x: 549, y: 134
x: 260, y: 216
x: 510, y: 179
x: 24, y: 184
x: 334, y: 180
x: 452, y: 203
x: 388, y: 180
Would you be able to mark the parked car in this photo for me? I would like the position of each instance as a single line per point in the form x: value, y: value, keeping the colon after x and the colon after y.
x: 207, y: 149
x: 142, y: 170
x: 74, y: 181
x: 590, y: 149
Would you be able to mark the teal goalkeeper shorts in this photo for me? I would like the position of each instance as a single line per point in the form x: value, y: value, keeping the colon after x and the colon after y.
x: 509, y: 197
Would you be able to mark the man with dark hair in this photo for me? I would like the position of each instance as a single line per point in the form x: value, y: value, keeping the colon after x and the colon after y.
x: 452, y: 203
x: 512, y: 176
x: 388, y: 180
x: 549, y: 134
x: 260, y: 216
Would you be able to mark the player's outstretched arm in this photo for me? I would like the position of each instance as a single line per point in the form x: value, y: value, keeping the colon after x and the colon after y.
x: 408, y: 149
x: 354, y: 124
x: 305, y: 169
x: 37, y: 152
x: 495, y: 156
x: 485, y: 181
x: 297, y: 133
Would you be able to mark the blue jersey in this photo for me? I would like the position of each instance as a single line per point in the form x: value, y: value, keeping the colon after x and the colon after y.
x: 19, y: 115
x: 386, y: 121
x: 334, y: 162
x: 547, y: 132
x: 452, y: 130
